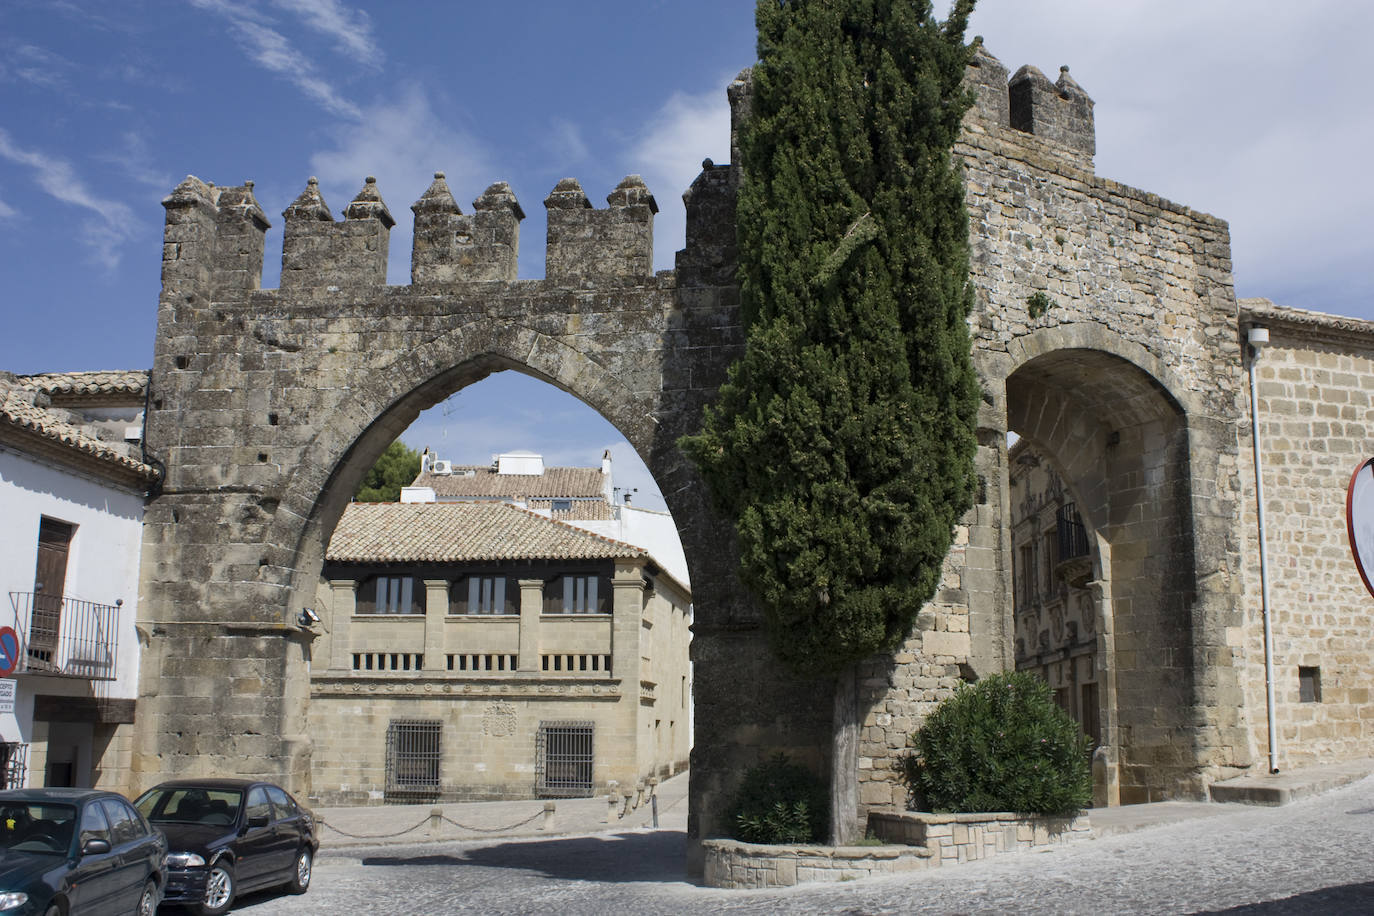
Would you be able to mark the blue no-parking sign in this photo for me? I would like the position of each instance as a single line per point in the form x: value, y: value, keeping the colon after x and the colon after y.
x: 9, y: 651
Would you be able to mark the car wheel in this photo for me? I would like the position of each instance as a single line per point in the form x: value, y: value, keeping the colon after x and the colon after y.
x: 219, y: 889
x: 300, y: 878
x: 147, y: 904
x: 53, y: 910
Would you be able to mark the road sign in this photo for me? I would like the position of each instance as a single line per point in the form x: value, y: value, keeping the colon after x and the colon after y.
x: 9, y: 651
x: 7, y: 689
x: 1359, y: 520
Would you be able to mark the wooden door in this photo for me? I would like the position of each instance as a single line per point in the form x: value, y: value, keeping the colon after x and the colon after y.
x: 49, y: 580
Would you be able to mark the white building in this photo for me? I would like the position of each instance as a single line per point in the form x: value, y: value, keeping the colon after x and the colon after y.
x: 73, y: 483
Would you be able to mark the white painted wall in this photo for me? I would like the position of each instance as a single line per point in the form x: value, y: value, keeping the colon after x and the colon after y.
x: 647, y: 529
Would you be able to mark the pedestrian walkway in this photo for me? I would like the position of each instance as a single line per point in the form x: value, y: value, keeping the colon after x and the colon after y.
x: 377, y: 825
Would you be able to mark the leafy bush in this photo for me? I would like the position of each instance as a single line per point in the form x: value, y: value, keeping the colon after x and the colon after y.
x: 779, y: 802
x: 1001, y: 745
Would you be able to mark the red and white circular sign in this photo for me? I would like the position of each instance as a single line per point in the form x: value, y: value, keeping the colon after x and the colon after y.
x: 1359, y: 519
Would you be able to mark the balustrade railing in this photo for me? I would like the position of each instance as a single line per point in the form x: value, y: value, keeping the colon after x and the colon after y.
x: 65, y: 636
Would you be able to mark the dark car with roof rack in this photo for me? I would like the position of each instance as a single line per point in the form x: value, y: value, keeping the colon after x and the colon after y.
x: 230, y: 836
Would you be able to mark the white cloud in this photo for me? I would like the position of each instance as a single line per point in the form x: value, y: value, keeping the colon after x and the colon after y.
x: 273, y: 51
x: 687, y: 129
x: 350, y: 28
x: 566, y: 143
x: 135, y: 159
x: 114, y: 221
x: 7, y: 212
x: 35, y: 66
x: 402, y: 143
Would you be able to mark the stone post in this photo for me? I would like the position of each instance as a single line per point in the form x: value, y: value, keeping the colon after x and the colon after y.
x: 531, y: 606
x: 627, y: 604
x: 436, y: 611
x: 344, y: 604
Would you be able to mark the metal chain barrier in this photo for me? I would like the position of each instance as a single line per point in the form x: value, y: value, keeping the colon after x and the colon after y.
x: 427, y: 817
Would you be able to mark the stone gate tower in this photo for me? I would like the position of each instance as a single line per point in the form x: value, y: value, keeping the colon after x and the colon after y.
x: 1105, y: 332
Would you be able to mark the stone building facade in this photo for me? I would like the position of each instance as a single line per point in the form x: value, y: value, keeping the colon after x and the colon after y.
x: 478, y: 650
x: 1054, y: 611
x: 1106, y: 334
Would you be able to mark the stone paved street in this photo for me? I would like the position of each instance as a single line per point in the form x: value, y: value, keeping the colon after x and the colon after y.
x: 1311, y: 857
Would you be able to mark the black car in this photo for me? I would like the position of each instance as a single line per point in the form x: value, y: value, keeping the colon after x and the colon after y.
x: 69, y: 852
x: 229, y: 836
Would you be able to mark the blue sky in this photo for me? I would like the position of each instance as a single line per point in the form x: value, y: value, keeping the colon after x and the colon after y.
x: 1254, y: 111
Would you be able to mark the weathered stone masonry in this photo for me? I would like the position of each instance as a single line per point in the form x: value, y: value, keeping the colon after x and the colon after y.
x: 267, y: 406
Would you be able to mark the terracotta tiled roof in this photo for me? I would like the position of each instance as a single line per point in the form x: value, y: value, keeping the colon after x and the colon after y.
x: 471, y: 482
x: 24, y: 410
x: 88, y: 383
x: 462, y: 532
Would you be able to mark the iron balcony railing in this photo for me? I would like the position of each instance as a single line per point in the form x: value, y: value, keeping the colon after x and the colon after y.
x: 65, y: 636
x: 14, y: 763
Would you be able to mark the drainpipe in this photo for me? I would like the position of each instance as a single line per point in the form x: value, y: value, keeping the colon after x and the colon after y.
x: 1258, y: 338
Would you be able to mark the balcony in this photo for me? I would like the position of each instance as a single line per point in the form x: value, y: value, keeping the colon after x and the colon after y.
x: 65, y: 637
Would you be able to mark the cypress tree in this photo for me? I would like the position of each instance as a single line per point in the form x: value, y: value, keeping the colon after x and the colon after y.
x: 842, y: 441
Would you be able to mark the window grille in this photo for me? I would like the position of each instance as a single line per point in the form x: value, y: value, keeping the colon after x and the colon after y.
x: 1073, y: 538
x: 563, y: 760
x: 412, y: 758
x: 14, y: 763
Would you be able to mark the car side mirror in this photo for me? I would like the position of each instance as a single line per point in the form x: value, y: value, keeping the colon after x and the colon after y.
x: 95, y: 847
x: 257, y: 820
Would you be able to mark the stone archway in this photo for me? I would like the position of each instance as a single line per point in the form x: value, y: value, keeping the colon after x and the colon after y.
x: 267, y: 406
x: 1120, y: 442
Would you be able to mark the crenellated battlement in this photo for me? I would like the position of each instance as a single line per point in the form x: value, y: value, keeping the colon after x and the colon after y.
x: 451, y: 247
x: 1060, y: 112
x: 213, y: 241
x: 588, y: 244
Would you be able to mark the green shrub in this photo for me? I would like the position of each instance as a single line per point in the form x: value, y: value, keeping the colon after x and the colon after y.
x: 779, y: 802
x: 1001, y: 745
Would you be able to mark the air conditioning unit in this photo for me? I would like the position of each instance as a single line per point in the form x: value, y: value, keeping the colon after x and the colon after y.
x: 443, y: 467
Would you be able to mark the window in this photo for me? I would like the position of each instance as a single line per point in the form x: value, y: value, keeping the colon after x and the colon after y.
x: 258, y: 806
x: 562, y: 505
x: 286, y: 808
x: 1309, y: 684
x: 94, y: 826
x: 125, y: 825
x: 578, y: 594
x: 485, y: 595
x: 563, y: 760
x: 412, y: 758
x: 390, y: 595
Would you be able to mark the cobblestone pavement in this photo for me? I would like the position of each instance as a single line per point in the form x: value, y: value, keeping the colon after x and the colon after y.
x: 1315, y: 856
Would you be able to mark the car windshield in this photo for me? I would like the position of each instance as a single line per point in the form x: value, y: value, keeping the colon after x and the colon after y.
x: 36, y: 827
x: 191, y: 805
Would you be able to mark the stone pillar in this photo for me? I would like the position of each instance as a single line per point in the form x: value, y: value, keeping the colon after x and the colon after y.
x: 344, y: 605
x: 531, y: 606
x: 436, y: 611
x: 627, y: 604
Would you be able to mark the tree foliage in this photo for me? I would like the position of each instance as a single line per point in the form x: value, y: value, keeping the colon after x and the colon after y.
x: 843, y: 438
x: 1001, y: 745
x: 397, y: 468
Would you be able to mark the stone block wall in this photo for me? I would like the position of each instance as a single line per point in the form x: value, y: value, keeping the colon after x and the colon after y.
x: 952, y: 838
x: 1315, y: 384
